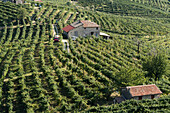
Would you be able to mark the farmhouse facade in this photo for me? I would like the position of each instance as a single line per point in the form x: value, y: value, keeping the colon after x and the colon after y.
x: 139, y: 92
x: 82, y: 28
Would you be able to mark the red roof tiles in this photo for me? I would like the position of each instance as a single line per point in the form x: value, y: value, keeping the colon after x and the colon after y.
x: 37, y: 0
x: 143, y: 90
x: 76, y: 24
x: 68, y: 28
x: 87, y: 23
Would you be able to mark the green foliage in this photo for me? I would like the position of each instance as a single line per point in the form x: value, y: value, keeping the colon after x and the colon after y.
x: 126, y: 7
x: 8, y: 12
x: 155, y: 65
x: 136, y: 106
x: 37, y: 75
x: 130, y: 77
x: 163, y: 84
x: 68, y: 3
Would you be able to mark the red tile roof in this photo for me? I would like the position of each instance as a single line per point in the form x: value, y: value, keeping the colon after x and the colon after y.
x: 68, y: 28
x: 87, y: 23
x: 37, y: 0
x: 144, y: 90
x: 76, y: 24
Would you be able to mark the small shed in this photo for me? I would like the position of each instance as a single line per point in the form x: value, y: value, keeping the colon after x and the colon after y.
x: 141, y: 92
x: 104, y: 35
x: 138, y: 93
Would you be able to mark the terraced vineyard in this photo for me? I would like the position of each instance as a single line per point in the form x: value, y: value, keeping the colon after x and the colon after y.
x: 136, y: 106
x: 37, y: 75
x: 46, y: 78
x: 141, y: 8
x: 160, y: 4
x: 7, y: 12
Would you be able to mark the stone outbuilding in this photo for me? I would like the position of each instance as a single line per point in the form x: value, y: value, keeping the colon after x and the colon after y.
x: 139, y: 92
x: 82, y: 28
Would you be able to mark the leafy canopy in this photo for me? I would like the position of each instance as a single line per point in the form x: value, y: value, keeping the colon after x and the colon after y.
x: 155, y: 65
x: 22, y: 13
x: 129, y: 77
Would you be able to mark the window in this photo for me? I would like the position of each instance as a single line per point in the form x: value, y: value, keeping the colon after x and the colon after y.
x: 152, y: 96
x: 140, y: 97
x: 84, y: 28
x: 97, y: 28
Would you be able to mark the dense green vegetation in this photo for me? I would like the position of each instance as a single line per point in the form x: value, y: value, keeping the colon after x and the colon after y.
x: 38, y: 75
x: 142, y: 8
x: 9, y: 13
x: 144, y: 106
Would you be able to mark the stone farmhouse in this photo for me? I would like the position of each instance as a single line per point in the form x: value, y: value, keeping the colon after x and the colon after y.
x: 139, y: 92
x: 82, y: 28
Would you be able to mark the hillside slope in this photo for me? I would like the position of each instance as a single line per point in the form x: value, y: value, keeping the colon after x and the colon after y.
x: 142, y: 8
x: 38, y: 75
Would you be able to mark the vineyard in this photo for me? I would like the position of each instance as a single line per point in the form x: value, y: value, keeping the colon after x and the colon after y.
x: 37, y: 75
x: 141, y: 8
x: 9, y: 12
x: 144, y: 106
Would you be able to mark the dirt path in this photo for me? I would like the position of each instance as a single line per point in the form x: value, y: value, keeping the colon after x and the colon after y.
x: 15, y: 26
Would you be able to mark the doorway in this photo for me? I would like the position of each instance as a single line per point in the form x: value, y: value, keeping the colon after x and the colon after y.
x: 152, y: 96
x: 140, y: 97
x: 92, y: 33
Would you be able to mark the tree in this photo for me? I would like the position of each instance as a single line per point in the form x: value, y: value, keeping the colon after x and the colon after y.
x: 68, y: 3
x: 130, y: 76
x: 22, y: 13
x: 155, y: 65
